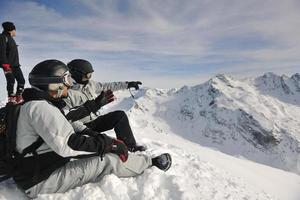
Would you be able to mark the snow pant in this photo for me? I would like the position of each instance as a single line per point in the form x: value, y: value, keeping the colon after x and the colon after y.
x: 118, y: 121
x: 16, y: 74
x: 79, y: 172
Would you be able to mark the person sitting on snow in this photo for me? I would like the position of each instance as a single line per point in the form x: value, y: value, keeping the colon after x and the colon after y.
x: 63, y: 159
x: 84, y: 90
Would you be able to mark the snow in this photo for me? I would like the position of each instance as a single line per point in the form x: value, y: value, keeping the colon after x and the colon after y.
x: 229, y: 139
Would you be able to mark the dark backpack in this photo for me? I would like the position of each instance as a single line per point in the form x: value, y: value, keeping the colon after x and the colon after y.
x: 9, y: 157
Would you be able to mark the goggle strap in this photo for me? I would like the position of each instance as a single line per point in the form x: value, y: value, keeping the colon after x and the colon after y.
x: 46, y: 80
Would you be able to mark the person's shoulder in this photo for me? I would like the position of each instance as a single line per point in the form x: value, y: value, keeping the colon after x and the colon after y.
x: 6, y: 38
x: 3, y: 36
x: 93, y: 83
x: 36, y: 108
x: 39, y: 106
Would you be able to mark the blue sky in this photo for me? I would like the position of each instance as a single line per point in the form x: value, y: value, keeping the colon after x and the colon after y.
x: 163, y: 43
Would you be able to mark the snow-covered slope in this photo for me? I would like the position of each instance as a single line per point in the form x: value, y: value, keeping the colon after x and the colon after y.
x: 230, y: 139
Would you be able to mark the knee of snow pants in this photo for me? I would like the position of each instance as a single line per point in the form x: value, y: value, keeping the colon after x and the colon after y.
x: 118, y: 121
x: 79, y: 172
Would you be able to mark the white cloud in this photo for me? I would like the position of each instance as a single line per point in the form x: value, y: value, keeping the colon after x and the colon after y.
x: 164, y: 33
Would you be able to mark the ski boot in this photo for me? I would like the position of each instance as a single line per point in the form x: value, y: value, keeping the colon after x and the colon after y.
x: 162, y: 162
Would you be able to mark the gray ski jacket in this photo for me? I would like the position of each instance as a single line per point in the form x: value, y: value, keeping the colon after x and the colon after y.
x: 40, y: 118
x: 80, y: 93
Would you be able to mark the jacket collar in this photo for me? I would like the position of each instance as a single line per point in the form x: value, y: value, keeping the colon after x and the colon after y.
x: 7, y: 34
x: 32, y: 94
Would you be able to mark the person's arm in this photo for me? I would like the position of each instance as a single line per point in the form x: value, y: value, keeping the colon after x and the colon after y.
x: 58, y: 134
x: 83, y: 141
x: 101, y: 142
x: 79, y: 112
x: 113, y: 86
x: 74, y: 112
x: 3, y: 58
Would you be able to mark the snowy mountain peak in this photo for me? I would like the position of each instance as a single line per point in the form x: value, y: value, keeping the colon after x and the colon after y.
x: 221, y: 78
x: 296, y: 77
x: 279, y: 85
x: 256, y: 118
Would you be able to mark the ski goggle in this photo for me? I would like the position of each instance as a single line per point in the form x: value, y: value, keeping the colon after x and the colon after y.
x: 65, y: 79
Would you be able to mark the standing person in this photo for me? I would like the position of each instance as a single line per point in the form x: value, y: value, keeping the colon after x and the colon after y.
x: 85, y: 90
x: 50, y: 169
x: 9, y: 61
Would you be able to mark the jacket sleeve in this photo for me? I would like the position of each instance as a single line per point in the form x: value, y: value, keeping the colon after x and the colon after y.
x: 98, y: 143
x: 3, y: 44
x: 74, y: 112
x: 80, y: 112
x: 113, y: 86
x: 48, y: 122
x: 77, y: 113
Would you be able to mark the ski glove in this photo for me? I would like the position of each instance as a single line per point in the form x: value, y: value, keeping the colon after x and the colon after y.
x: 119, y: 147
x: 134, y: 84
x: 6, y: 67
x: 103, y: 99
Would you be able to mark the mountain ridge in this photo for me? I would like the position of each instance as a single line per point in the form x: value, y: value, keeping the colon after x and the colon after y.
x: 247, y: 118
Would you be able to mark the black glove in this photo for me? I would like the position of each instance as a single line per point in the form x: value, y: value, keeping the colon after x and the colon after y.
x: 118, y: 147
x: 103, y: 99
x: 134, y: 84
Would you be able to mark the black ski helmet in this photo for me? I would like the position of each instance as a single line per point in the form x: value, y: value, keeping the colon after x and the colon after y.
x: 49, y: 75
x: 79, y: 68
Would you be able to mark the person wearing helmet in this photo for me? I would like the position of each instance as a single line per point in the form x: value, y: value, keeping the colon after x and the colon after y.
x: 85, y: 90
x: 64, y: 159
x: 9, y: 62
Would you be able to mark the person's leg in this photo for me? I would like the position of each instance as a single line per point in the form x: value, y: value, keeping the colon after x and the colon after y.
x: 118, y: 121
x: 10, y: 82
x: 20, y: 79
x: 83, y: 171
